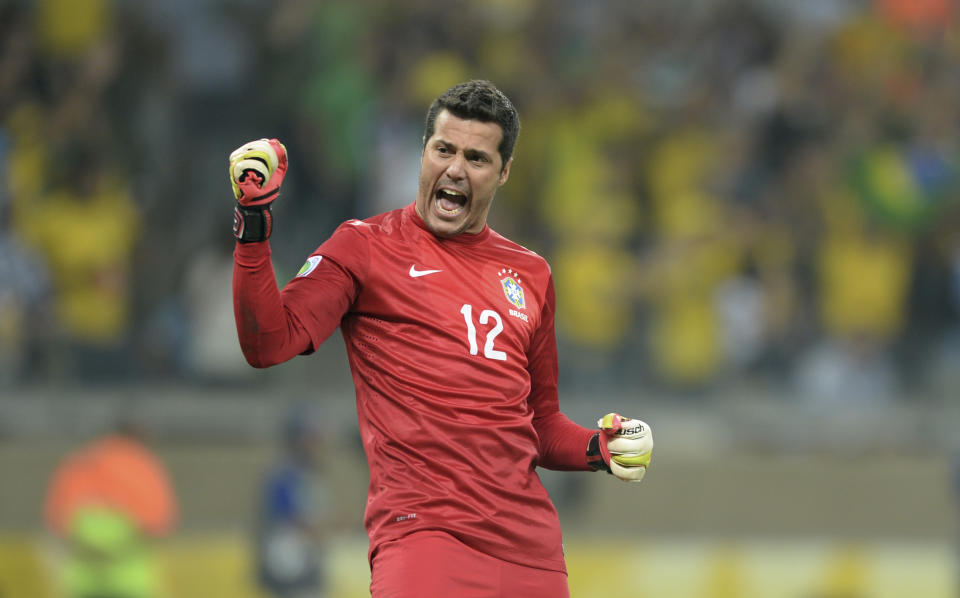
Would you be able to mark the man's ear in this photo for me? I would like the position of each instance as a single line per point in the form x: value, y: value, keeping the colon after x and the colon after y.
x: 505, y: 172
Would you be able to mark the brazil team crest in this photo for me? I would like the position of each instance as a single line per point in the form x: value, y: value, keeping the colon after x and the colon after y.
x: 510, y: 281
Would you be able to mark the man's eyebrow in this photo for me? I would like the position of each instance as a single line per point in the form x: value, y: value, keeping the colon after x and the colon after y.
x: 467, y: 151
x: 477, y: 153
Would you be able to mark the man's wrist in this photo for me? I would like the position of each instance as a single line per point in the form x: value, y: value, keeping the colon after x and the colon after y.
x: 252, y: 224
x: 595, y: 458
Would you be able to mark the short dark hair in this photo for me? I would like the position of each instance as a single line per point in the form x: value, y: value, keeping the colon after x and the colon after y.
x: 478, y: 100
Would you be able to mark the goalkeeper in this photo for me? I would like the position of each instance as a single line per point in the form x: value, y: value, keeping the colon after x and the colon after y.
x: 449, y: 330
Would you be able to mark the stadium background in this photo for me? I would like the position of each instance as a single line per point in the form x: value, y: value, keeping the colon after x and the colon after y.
x: 750, y: 207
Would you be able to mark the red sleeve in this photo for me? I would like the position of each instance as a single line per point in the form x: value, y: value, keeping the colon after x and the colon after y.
x: 563, y: 443
x: 274, y: 326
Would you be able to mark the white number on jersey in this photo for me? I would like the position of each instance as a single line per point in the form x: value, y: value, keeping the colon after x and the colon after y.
x: 488, y: 351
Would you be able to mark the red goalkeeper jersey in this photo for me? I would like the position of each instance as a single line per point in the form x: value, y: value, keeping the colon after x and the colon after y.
x: 452, y: 348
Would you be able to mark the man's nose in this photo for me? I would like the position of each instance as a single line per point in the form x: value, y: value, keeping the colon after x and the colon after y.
x: 455, y: 170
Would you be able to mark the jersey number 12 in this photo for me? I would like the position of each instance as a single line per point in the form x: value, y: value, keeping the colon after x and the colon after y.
x: 488, y: 351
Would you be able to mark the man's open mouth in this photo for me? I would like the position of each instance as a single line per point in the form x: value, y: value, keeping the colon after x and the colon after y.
x: 450, y: 201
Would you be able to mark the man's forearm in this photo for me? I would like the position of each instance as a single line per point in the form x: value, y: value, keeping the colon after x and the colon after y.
x: 563, y: 443
x: 267, y: 333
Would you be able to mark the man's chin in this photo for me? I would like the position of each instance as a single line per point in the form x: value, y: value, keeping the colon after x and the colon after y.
x: 445, y: 228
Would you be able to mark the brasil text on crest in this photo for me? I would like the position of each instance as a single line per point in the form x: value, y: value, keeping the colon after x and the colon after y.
x: 510, y: 282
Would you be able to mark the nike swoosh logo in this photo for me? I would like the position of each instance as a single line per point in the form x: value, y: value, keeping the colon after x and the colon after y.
x: 414, y: 273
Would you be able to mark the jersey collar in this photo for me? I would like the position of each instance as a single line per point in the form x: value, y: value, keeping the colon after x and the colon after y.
x: 410, y: 213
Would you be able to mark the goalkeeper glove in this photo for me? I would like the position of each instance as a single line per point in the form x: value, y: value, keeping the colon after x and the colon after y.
x: 622, y: 447
x: 257, y: 169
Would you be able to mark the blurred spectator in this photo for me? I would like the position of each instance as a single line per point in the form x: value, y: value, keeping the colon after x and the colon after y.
x: 24, y: 309
x: 292, y: 524
x: 925, y: 15
x: 67, y: 28
x: 590, y: 215
x: 24, y: 294
x: 86, y: 227
x: 106, y: 501
x: 741, y: 306
x: 210, y: 349
x: 697, y: 251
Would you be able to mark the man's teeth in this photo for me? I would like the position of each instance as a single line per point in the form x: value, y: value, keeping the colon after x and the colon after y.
x: 450, y: 201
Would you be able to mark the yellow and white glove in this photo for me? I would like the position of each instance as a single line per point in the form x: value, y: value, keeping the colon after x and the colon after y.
x: 257, y: 169
x: 623, y: 447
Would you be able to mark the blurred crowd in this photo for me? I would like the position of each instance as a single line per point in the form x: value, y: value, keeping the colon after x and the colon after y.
x: 732, y: 194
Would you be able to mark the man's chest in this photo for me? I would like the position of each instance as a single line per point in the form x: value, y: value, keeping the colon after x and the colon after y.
x: 486, y: 303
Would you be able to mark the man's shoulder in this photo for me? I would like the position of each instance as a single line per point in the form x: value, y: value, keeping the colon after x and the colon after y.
x: 519, y: 251
x: 383, y: 223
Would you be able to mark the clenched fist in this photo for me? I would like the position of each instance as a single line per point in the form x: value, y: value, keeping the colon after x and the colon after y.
x: 257, y: 169
x: 622, y: 447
